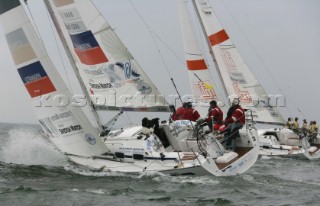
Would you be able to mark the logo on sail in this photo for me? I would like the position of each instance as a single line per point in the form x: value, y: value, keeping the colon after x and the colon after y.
x: 87, y: 48
x: 90, y: 139
x: 205, y: 89
x: 36, y: 79
x: 124, y: 70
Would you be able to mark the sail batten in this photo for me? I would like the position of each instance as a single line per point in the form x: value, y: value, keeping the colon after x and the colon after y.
x: 235, y: 74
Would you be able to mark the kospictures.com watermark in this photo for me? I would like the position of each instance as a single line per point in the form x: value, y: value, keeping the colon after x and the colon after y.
x: 141, y: 100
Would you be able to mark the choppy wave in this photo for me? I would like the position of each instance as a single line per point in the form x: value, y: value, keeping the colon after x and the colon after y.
x: 30, y: 167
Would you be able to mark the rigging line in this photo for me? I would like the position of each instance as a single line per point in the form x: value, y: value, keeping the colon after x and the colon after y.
x: 263, y: 64
x: 128, y: 118
x: 59, y: 51
x: 152, y: 36
x: 170, y: 49
x: 175, y: 87
x: 34, y: 23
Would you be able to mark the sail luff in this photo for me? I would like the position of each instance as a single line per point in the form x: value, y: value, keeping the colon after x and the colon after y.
x: 73, y: 64
x: 239, y: 81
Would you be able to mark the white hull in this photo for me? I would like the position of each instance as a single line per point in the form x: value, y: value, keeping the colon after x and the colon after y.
x: 182, y: 147
x: 170, y: 167
x: 285, y: 143
x: 311, y: 151
x: 281, y: 152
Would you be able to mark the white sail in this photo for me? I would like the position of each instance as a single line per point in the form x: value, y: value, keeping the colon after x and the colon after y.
x: 237, y: 78
x: 201, y: 82
x: 66, y: 125
x: 112, y: 77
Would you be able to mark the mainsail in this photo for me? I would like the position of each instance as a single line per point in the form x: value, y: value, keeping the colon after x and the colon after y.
x: 237, y: 78
x: 112, y: 77
x: 66, y: 125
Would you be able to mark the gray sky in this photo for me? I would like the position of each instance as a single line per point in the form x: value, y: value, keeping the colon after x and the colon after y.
x: 279, y: 39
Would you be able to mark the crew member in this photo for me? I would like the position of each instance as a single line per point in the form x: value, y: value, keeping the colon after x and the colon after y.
x: 190, y: 113
x: 215, y: 116
x: 234, y: 121
x: 295, y: 124
x: 146, y: 126
x: 289, y: 123
x: 305, y: 128
x: 177, y: 115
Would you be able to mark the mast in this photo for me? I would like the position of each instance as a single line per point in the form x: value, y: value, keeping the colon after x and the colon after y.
x: 210, y: 49
x: 72, y: 62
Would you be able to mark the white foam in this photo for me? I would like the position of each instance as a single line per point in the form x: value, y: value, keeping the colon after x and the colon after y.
x: 97, y: 191
x: 88, y: 172
x: 27, y: 145
x: 265, y: 157
x: 199, y: 180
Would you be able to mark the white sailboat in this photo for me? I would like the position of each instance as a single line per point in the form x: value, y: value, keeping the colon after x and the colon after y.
x: 247, y: 146
x: 66, y: 125
x: 239, y: 81
x: 74, y: 18
x: 97, y: 54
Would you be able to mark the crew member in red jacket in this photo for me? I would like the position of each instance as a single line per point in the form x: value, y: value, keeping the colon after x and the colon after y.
x: 177, y: 115
x: 234, y: 121
x: 190, y: 113
x: 215, y: 116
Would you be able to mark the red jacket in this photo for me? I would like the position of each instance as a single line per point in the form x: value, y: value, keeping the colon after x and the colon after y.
x: 237, y: 115
x: 178, y: 114
x: 216, y: 114
x: 191, y: 114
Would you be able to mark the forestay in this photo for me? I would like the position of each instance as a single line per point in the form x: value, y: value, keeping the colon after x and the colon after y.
x: 67, y: 126
x: 237, y: 78
x: 113, y: 78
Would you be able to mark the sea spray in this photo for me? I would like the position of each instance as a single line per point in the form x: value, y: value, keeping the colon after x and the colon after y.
x: 27, y: 145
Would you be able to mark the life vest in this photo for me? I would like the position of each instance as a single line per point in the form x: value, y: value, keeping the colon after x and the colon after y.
x: 295, y: 125
x: 178, y: 114
x: 216, y: 115
x: 237, y: 115
x: 290, y: 124
x: 191, y: 114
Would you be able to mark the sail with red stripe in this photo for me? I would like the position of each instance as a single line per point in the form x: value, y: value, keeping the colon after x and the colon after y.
x: 200, y: 78
x: 237, y: 78
x: 65, y: 125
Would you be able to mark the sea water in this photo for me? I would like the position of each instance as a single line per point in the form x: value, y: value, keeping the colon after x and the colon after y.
x: 33, y: 172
